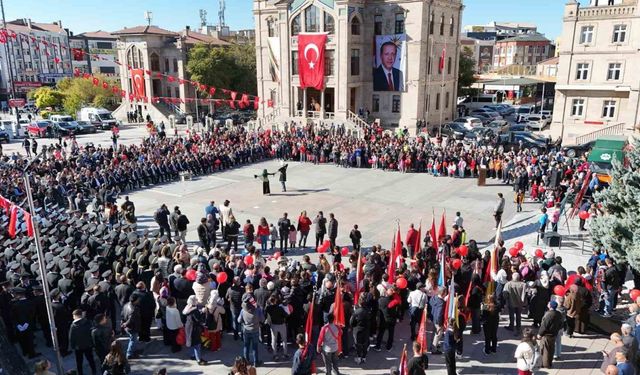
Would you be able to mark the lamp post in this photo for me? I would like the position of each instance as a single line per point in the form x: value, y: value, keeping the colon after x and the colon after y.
x: 42, y: 266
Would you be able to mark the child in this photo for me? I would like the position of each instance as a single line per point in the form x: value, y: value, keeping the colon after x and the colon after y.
x: 519, y: 200
x: 273, y: 231
x: 292, y: 237
x: 534, y: 191
x: 542, y: 221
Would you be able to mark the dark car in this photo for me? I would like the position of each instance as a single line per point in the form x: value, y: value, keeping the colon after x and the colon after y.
x: 454, y: 129
x: 63, y: 128
x: 4, y: 136
x: 524, y: 140
x: 578, y: 150
x: 84, y: 127
x: 517, y: 128
x: 481, y: 136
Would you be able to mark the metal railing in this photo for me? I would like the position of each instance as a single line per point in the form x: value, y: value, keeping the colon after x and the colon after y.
x: 357, y: 120
x: 616, y: 129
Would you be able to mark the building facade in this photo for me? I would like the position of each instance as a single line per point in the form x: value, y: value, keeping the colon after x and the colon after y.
x: 520, y: 54
x: 499, y: 30
x: 38, y: 55
x: 423, y: 32
x: 95, y: 52
x: 480, y: 51
x: 599, y: 82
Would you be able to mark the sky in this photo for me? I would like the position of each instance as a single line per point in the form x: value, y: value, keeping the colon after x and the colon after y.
x: 90, y: 15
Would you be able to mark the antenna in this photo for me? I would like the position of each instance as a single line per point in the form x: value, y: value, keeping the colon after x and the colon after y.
x: 203, y: 18
x: 221, y: 14
x: 148, y: 15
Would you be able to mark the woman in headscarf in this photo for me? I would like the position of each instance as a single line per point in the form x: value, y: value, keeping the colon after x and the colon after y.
x: 202, y: 288
x: 215, y: 310
x: 266, y: 189
x: 194, y: 327
x: 539, y: 298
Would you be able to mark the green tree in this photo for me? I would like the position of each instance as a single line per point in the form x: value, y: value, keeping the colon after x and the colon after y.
x: 47, y: 97
x: 617, y: 229
x: 79, y: 92
x: 466, y: 72
x: 232, y: 67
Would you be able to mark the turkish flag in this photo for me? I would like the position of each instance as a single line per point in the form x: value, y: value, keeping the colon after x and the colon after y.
x: 441, y: 65
x: 256, y: 103
x: 137, y: 76
x: 311, y: 60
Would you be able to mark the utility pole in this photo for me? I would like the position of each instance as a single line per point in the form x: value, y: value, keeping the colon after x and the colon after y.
x: 11, y: 87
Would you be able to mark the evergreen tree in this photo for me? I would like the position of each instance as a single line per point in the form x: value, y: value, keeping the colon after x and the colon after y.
x: 617, y: 229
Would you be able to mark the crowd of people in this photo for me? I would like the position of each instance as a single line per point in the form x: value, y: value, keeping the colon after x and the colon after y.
x: 110, y: 278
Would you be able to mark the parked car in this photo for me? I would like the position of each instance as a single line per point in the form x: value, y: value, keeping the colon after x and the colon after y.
x: 498, y: 126
x: 487, y: 112
x: 517, y: 128
x: 4, y: 136
x: 524, y: 140
x: 502, y: 111
x: 578, y: 150
x: 454, y: 129
x: 84, y: 127
x: 40, y: 129
x: 508, y: 109
x: 537, y: 122
x: 469, y: 122
x: 63, y: 128
x: 523, y: 112
x: 481, y: 136
x: 547, y: 112
x: 485, y: 118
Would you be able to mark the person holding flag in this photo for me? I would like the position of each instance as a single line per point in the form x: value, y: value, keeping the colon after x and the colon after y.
x: 388, y: 306
x: 437, y: 304
x: 303, y: 358
x: 420, y: 362
x: 417, y: 301
x: 330, y: 345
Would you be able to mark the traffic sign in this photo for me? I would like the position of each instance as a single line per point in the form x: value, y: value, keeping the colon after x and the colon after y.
x: 17, y: 103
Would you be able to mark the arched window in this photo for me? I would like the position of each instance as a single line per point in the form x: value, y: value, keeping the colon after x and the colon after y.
x: 271, y: 28
x: 154, y: 62
x: 312, y: 19
x: 329, y: 23
x: 442, y: 24
x: 295, y: 25
x: 451, y: 26
x: 355, y: 26
x: 134, y: 58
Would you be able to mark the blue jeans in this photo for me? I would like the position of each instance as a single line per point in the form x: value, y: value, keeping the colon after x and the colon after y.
x: 610, y: 300
x: 234, y: 323
x: 133, y: 340
x: 263, y: 244
x: 196, y: 352
x: 250, y: 343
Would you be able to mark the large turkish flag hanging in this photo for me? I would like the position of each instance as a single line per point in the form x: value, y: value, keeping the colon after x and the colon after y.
x: 311, y: 60
x: 137, y: 76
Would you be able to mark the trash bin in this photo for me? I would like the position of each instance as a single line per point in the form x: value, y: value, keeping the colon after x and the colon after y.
x: 553, y: 239
x: 482, y: 177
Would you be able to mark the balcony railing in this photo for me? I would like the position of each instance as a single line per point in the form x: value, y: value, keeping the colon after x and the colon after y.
x: 616, y: 129
x: 606, y: 11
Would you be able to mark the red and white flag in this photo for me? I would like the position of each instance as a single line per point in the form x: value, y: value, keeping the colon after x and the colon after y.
x: 442, y: 58
x: 403, y: 368
x: 137, y: 76
x: 311, y: 60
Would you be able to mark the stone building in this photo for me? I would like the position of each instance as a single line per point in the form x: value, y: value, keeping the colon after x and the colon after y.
x: 423, y: 32
x: 598, y: 81
x: 522, y: 53
x: 94, y: 52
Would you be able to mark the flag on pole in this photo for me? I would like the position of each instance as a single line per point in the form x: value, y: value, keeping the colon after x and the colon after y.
x: 13, y: 220
x: 493, y: 265
x: 416, y: 245
x: 441, y: 277
x: 422, y: 331
x: 397, y: 252
x: 442, y: 231
x: 403, y: 369
x: 308, y: 327
x: 432, y: 232
x: 451, y: 306
x: 338, y: 307
x: 359, y: 277
x: 442, y: 60
x: 391, y: 270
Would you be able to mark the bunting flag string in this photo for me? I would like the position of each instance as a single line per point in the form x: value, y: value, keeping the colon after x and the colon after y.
x: 13, y: 210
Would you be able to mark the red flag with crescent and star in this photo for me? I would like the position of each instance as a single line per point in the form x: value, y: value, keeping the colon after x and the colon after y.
x: 137, y: 76
x: 311, y: 60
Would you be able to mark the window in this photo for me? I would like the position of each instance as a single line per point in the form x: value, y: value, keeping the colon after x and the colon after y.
x: 177, y: 92
x: 577, y: 107
x: 377, y: 25
x: 446, y: 99
x: 295, y: 25
x: 155, y: 62
x: 437, y: 101
x: 451, y: 26
x: 328, y: 62
x: 399, y: 28
x: 355, y: 26
x: 375, y: 103
x: 271, y: 28
x: 431, y: 19
x: 449, y: 64
x: 442, y: 24
x: 395, y: 104
x: 175, y: 65
x: 609, y: 109
x: 312, y: 19
x: 355, y: 62
x: 614, y: 71
x: 108, y: 70
x: 166, y: 65
x: 294, y: 62
x: 429, y: 65
x: 104, y: 45
x: 586, y: 34
x: 582, y: 71
x: 619, y: 33
x: 329, y: 23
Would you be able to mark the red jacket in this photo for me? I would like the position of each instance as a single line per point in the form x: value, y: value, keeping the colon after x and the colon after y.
x: 411, y: 237
x: 304, y: 224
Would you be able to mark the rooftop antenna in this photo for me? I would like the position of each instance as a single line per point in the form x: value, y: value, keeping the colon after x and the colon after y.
x: 203, y: 18
x: 221, y: 14
x: 148, y: 15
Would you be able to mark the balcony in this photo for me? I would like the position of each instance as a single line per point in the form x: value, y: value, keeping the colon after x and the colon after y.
x: 606, y: 11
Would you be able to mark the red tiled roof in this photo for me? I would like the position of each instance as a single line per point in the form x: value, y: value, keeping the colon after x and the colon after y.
x: 52, y: 27
x: 144, y: 30
x: 98, y: 34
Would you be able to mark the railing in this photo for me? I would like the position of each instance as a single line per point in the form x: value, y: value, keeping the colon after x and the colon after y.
x: 607, y: 11
x: 357, y: 120
x: 616, y: 129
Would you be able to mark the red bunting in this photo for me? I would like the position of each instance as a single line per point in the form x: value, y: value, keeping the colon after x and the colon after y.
x: 159, y: 75
x: 86, y: 75
x: 27, y: 219
x: 105, y: 85
x: 269, y: 103
x: 202, y: 87
x: 256, y: 103
x: 123, y: 93
x: 115, y: 89
x: 212, y: 91
x: 232, y: 104
x: 148, y: 72
x: 56, y: 60
x: 95, y: 81
x: 76, y: 72
x: 3, y: 38
x: 233, y: 95
x: 13, y: 218
x: 171, y: 78
x: 182, y: 81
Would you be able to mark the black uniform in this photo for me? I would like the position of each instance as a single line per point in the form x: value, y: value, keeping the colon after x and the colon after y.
x: 23, y: 313
x: 62, y: 318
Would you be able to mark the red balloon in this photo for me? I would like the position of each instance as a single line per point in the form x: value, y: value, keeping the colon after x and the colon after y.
x: 276, y: 256
x: 559, y: 290
x: 634, y: 294
x: 514, y: 252
x: 322, y: 249
x: 519, y: 245
x: 456, y: 264
x: 463, y: 250
x: 345, y: 251
x: 221, y: 278
x: 539, y: 253
x: 191, y: 275
x: 584, y: 215
x: 248, y: 260
x: 401, y: 283
x: 326, y: 244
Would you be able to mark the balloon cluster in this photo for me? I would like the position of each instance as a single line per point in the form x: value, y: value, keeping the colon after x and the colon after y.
x: 324, y: 247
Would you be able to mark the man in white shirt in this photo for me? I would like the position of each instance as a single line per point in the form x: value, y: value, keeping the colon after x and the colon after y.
x: 417, y: 300
x: 225, y: 215
x: 458, y: 220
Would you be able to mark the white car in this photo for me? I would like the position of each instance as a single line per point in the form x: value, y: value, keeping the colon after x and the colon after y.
x: 547, y: 112
x: 537, y: 122
x: 486, y: 111
x: 469, y: 122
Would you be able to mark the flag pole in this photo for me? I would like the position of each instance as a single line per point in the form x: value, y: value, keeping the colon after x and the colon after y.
x: 444, y: 66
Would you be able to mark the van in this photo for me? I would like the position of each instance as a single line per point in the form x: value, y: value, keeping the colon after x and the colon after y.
x: 61, y: 118
x: 523, y: 112
x: 98, y: 117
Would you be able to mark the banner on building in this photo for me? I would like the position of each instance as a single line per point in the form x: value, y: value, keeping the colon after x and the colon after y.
x: 311, y: 59
x: 137, y: 77
x: 485, y: 59
x: 390, y: 63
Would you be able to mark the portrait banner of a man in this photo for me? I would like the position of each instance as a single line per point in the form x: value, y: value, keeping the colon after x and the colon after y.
x: 390, y: 63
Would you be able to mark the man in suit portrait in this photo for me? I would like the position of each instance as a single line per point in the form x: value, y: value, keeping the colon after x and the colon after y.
x: 385, y: 76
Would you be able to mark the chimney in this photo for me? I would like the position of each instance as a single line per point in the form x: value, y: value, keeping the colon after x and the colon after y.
x: 186, y: 30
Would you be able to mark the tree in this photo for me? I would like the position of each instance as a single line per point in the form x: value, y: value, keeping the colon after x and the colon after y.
x: 47, y: 97
x: 79, y: 92
x: 617, y: 229
x: 466, y: 72
x: 232, y: 67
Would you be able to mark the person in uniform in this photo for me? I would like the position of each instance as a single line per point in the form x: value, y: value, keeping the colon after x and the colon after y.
x: 41, y: 314
x: 23, y: 317
x: 62, y: 318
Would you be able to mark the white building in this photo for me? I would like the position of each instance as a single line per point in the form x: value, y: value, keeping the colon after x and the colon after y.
x: 423, y: 28
x: 95, y: 52
x: 38, y: 55
x: 499, y: 30
x: 598, y: 81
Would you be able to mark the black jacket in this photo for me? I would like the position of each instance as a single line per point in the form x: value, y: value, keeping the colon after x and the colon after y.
x: 147, y: 303
x: 123, y: 292
x: 131, y: 317
x: 551, y: 323
x: 388, y: 314
x: 181, y: 223
x: 101, y: 336
x: 80, y: 335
